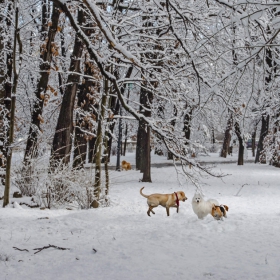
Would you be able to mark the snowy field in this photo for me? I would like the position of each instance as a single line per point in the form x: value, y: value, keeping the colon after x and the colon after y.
x: 121, y: 242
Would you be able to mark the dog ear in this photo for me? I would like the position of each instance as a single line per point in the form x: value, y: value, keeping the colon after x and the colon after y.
x: 225, y: 207
x: 213, y: 206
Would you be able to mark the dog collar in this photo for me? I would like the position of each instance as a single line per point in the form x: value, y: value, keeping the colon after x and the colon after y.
x: 177, y: 200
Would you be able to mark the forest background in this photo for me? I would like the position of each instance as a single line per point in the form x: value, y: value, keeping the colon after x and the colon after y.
x: 81, y: 79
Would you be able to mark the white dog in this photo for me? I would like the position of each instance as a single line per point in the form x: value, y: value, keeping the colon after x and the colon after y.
x: 203, y: 207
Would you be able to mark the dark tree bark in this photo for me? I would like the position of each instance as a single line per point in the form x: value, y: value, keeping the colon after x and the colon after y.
x: 254, y: 134
x: 10, y: 139
x: 126, y: 130
x: 85, y: 115
x: 173, y: 122
x: 264, y: 132
x: 275, y: 161
x: 159, y: 142
x: 270, y: 70
x: 213, y: 141
x: 143, y: 146
x: 125, y: 140
x: 240, y: 160
x: 62, y: 141
x: 227, y: 138
x: 31, y: 150
x: 187, y: 124
x: 6, y: 69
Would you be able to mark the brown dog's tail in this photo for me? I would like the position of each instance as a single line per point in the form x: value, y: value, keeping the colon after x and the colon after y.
x: 142, y: 193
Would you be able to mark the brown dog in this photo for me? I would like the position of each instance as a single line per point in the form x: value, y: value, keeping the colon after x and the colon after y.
x: 219, y: 211
x: 126, y: 165
x: 165, y: 200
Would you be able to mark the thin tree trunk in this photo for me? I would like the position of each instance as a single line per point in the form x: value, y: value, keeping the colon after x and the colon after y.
x: 125, y: 140
x: 187, y: 125
x: 107, y: 181
x: 143, y: 148
x: 227, y: 138
x: 99, y: 143
x: 270, y: 71
x: 31, y: 150
x: 213, y: 141
x: 146, y: 168
x: 254, y: 141
x: 159, y: 142
x: 6, y: 69
x: 275, y: 161
x: 62, y: 141
x: 264, y: 131
x: 85, y: 116
x: 92, y: 150
x: 173, y: 122
x: 114, y: 106
x: 12, y: 114
x: 241, y: 144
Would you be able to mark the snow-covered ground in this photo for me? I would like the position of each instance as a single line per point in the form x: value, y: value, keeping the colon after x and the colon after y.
x: 122, y: 242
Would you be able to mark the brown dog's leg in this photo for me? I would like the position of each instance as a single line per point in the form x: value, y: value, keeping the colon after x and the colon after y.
x: 150, y: 210
x: 167, y: 210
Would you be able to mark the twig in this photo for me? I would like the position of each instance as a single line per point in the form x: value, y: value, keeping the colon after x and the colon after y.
x: 21, y: 249
x: 50, y: 246
x: 30, y: 206
x: 241, y: 189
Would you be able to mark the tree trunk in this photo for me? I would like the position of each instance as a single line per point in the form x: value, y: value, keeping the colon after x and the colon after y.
x: 146, y: 167
x: 6, y: 69
x: 270, y: 68
x: 227, y: 138
x: 143, y: 148
x: 264, y: 131
x: 173, y: 122
x: 187, y: 125
x: 88, y: 91
x: 254, y: 141
x: 114, y: 106
x: 92, y: 150
x: 31, y: 150
x: 12, y: 115
x: 241, y: 144
x: 107, y: 181
x: 62, y: 141
x: 275, y: 161
x: 119, y: 147
x: 125, y: 140
x: 99, y: 144
x: 159, y: 143
x: 80, y: 147
x: 213, y: 141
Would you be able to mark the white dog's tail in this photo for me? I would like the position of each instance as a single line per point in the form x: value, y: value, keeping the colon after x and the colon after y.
x: 142, y: 193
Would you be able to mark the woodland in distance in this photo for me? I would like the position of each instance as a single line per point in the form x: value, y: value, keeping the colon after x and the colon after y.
x: 79, y: 80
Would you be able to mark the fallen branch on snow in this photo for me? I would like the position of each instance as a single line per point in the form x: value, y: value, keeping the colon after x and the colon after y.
x: 20, y: 249
x: 50, y: 246
x: 241, y: 189
x: 30, y: 206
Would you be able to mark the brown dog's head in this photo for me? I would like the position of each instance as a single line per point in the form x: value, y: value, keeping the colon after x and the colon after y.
x: 218, y: 212
x: 181, y: 196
